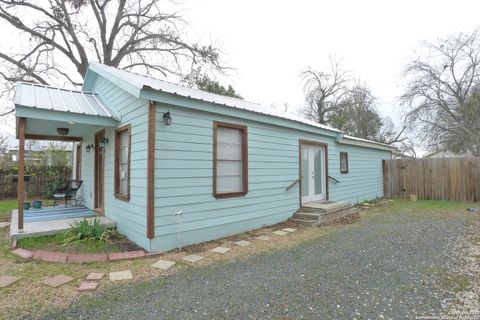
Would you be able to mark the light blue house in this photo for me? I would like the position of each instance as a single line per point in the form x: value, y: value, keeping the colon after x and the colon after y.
x: 152, y: 154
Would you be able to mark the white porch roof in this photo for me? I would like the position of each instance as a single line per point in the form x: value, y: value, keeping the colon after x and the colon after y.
x: 48, y: 108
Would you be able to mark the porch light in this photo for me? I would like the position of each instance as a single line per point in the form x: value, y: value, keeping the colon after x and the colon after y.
x: 62, y: 131
x: 89, y: 148
x: 103, y: 142
x: 167, y: 119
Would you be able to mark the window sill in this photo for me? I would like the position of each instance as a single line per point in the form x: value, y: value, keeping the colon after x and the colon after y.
x: 122, y: 197
x: 230, y: 195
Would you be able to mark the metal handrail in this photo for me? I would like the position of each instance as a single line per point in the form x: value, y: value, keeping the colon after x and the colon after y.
x: 332, y: 178
x: 293, y: 183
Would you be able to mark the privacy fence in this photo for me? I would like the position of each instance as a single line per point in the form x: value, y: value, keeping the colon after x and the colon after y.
x: 455, y: 179
x: 40, y: 181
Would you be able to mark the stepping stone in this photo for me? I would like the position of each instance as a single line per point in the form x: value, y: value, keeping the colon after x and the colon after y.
x: 126, y: 255
x: 192, y: 258
x: 264, y: 238
x: 87, y: 257
x: 280, y: 233
x: 4, y: 224
x: 220, y: 250
x: 163, y: 264
x: 120, y: 275
x: 49, y: 256
x: 22, y: 253
x: 289, y: 229
x: 6, y: 281
x: 57, y: 281
x: 95, y: 276
x: 87, y: 286
x: 243, y: 243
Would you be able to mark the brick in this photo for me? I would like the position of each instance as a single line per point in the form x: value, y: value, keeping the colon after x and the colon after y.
x: 49, y: 256
x: 95, y: 276
x: 120, y: 275
x: 6, y: 281
x: 126, y: 255
x: 57, y: 281
x: 87, y: 257
x: 192, y: 258
x: 87, y: 286
x: 23, y: 253
x: 163, y: 264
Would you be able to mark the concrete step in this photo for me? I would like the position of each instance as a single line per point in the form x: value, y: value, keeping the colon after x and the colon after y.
x: 307, y: 215
x: 324, y: 208
x: 318, y: 219
x: 305, y: 222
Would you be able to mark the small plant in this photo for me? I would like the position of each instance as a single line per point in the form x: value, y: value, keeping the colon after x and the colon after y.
x: 88, y: 231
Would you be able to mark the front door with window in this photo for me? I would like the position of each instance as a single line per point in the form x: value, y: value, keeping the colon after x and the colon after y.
x: 313, y: 173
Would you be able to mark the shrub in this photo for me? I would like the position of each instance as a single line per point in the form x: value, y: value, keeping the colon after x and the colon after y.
x: 88, y: 231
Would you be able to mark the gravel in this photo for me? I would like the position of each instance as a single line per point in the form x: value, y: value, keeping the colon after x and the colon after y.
x: 390, y: 266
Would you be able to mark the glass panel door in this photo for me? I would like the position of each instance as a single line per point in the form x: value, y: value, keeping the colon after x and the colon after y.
x: 313, y: 173
x: 305, y: 171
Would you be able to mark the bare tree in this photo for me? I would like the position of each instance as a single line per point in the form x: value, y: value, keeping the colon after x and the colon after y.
x: 442, y: 96
x: 62, y: 36
x: 324, y: 90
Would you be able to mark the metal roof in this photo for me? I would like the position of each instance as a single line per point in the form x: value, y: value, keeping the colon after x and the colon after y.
x: 50, y: 98
x: 140, y: 82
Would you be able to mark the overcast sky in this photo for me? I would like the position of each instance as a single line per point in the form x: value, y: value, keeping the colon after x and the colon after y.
x: 270, y: 42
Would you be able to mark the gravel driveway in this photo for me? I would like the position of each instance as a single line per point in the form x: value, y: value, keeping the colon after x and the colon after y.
x: 385, y: 266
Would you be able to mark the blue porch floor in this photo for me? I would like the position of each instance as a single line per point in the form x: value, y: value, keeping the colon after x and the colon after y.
x: 56, y: 213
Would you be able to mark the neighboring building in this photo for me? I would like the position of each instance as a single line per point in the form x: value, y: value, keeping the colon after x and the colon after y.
x: 151, y: 149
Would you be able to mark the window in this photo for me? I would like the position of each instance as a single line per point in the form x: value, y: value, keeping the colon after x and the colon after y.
x: 122, y: 163
x: 230, y: 162
x: 343, y: 162
x: 78, y: 162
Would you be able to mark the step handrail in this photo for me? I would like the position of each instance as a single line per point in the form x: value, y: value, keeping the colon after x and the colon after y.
x: 332, y: 178
x: 293, y: 183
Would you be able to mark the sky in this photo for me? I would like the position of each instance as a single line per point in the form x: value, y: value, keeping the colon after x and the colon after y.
x: 269, y: 43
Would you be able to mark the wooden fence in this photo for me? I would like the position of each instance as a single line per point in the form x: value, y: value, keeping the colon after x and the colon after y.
x: 455, y: 179
x: 42, y: 180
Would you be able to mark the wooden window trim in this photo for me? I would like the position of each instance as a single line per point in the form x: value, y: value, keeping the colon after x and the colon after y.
x: 118, y: 195
x: 346, y: 156
x: 78, y: 162
x: 220, y: 195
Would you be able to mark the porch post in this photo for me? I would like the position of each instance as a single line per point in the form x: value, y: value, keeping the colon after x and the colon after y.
x: 21, y: 171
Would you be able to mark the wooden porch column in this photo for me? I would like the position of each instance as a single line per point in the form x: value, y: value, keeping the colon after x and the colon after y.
x: 21, y: 171
x: 151, y: 171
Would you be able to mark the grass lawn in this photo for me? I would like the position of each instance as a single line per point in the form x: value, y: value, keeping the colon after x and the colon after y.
x: 30, y: 297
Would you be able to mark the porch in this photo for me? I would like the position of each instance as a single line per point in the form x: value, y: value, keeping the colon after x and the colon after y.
x: 52, y: 220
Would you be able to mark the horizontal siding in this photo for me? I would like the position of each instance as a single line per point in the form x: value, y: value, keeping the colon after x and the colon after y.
x: 184, y: 177
x: 129, y: 215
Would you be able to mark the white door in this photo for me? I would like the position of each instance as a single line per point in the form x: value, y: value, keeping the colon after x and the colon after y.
x: 313, y: 173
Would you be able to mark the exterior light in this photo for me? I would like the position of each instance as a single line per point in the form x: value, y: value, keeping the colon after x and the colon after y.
x: 89, y: 148
x: 62, y: 131
x: 103, y: 142
x: 167, y: 119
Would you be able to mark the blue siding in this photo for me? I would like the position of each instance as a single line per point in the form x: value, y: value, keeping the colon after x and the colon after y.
x: 184, y: 169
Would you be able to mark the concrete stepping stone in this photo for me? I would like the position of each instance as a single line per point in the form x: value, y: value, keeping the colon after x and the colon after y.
x: 289, y: 230
x: 22, y: 253
x: 87, y: 286
x: 57, y: 281
x: 6, y: 281
x: 163, y: 264
x: 280, y: 232
x: 120, y: 275
x: 243, y: 243
x: 4, y: 224
x: 192, y: 258
x: 220, y: 250
x: 264, y: 238
x: 95, y: 276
